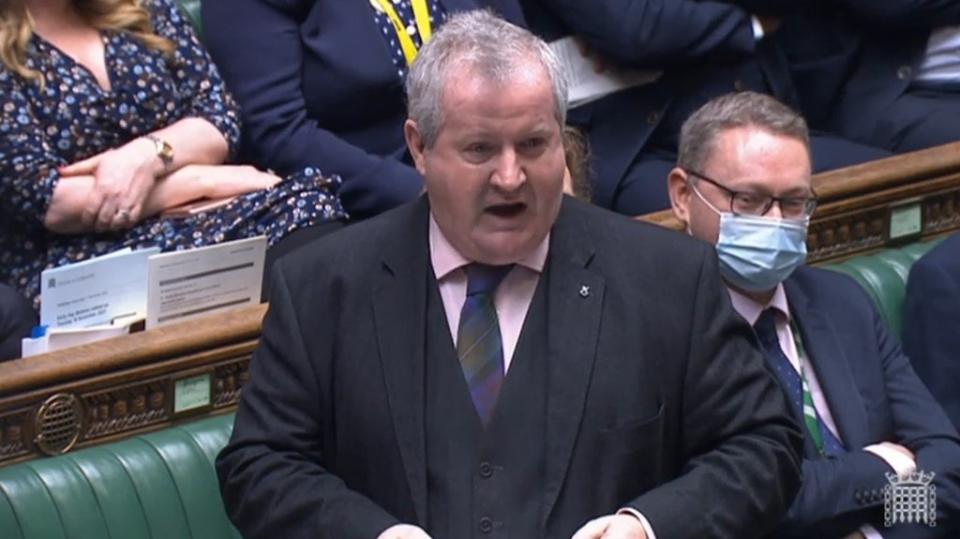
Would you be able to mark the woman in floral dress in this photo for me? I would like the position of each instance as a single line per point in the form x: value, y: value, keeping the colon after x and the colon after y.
x: 111, y: 112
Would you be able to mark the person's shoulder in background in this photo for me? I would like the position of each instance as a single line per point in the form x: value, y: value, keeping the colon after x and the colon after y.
x: 16, y: 320
x: 931, y: 323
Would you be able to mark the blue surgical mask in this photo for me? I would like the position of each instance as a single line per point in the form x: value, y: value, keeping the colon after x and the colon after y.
x: 758, y: 253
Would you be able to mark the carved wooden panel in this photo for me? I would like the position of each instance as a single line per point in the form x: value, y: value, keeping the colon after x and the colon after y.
x: 121, y: 408
x: 128, y: 384
x: 840, y: 235
x: 126, y: 408
x: 941, y: 213
x: 228, y: 378
x: 13, y: 434
x: 855, y: 232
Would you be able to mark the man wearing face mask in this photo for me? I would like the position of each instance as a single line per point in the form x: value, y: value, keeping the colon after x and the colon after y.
x: 742, y: 183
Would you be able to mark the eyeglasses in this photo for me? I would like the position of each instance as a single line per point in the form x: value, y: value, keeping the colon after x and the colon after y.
x: 758, y: 205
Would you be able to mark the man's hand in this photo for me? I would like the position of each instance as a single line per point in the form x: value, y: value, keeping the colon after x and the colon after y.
x: 900, y: 449
x: 612, y: 527
x: 403, y: 531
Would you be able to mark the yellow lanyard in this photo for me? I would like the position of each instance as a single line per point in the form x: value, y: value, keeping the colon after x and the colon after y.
x: 422, y: 16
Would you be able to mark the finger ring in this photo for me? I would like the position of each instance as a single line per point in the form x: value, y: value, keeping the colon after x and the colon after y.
x: 123, y: 214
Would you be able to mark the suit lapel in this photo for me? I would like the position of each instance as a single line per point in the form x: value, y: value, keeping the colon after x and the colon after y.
x: 831, y: 367
x: 399, y: 306
x: 575, y: 299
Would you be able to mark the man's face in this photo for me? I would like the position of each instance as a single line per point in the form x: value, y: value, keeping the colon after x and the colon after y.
x: 745, y: 159
x: 494, y: 175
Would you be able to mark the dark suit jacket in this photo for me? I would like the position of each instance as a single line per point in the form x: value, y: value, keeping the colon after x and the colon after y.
x: 874, y: 396
x: 702, y: 46
x: 658, y: 398
x: 16, y: 320
x: 931, y: 323
x: 317, y: 87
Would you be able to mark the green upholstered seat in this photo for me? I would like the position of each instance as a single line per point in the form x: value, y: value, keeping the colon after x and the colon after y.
x: 192, y: 8
x: 160, y: 484
x: 884, y: 276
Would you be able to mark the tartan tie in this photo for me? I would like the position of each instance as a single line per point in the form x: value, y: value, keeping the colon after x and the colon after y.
x: 795, y: 385
x: 479, y: 345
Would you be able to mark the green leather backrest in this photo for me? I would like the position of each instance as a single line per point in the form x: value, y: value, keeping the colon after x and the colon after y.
x: 884, y: 276
x: 192, y: 9
x: 158, y: 485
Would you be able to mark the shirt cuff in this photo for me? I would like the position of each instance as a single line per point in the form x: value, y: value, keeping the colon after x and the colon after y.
x: 900, y: 463
x: 643, y: 521
x: 758, y: 32
x: 869, y: 532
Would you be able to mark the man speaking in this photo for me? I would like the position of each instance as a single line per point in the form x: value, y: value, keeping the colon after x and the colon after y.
x: 498, y: 360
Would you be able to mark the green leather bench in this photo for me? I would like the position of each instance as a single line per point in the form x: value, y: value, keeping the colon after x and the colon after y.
x: 163, y: 485
x: 884, y: 276
x: 192, y: 9
x: 157, y: 485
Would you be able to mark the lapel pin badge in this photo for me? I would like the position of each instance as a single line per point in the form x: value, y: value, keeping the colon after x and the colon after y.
x: 584, y: 291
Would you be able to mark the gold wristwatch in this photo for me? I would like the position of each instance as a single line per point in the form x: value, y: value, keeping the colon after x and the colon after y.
x: 164, y: 150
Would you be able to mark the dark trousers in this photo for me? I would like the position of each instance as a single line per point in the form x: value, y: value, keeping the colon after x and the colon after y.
x: 920, y: 118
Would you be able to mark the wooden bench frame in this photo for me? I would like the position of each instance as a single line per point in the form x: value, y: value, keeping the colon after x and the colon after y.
x: 90, y: 394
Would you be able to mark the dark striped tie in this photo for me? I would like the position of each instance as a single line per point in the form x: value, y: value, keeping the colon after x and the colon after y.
x: 479, y: 345
x: 795, y: 385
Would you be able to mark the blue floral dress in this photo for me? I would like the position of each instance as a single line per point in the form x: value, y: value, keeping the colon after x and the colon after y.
x: 73, y: 118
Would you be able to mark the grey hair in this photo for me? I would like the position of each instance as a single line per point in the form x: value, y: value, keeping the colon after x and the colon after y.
x: 482, y: 41
x: 699, y: 133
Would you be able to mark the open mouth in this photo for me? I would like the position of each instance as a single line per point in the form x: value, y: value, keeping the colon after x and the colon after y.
x: 507, y: 211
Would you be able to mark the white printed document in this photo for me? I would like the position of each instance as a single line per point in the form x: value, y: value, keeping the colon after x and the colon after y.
x: 96, y: 292
x: 194, y: 282
x: 586, y: 84
x: 57, y: 338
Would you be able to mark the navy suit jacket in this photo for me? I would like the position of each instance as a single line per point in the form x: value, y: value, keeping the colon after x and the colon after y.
x: 931, y: 323
x: 874, y: 396
x: 851, y: 59
x: 706, y: 49
x: 317, y: 87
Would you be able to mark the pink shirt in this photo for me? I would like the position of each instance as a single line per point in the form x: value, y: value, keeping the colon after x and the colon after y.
x: 512, y: 298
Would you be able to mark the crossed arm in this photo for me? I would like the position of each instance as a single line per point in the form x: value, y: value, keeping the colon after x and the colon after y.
x: 134, y: 178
